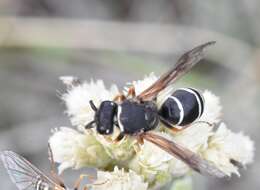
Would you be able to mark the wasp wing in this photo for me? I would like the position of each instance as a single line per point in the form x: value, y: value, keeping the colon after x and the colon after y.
x: 22, y: 173
x: 190, y: 158
x: 183, y: 65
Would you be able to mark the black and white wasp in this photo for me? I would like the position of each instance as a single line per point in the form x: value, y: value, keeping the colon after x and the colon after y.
x: 140, y: 113
x: 28, y: 177
x: 137, y: 115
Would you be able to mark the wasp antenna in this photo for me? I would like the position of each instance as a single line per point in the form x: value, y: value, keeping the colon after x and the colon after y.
x: 92, y: 105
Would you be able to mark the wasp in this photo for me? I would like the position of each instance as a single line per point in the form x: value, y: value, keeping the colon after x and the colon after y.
x: 138, y: 114
x: 26, y: 176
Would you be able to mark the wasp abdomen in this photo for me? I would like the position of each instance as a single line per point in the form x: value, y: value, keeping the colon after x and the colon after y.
x: 183, y: 107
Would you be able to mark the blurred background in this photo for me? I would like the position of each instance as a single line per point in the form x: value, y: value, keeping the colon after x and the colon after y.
x: 121, y: 41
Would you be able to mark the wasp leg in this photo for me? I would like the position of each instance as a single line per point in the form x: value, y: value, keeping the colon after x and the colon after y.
x: 119, y: 137
x: 140, y: 140
x: 119, y: 98
x: 175, y: 130
x: 101, y: 183
x: 121, y: 134
x: 171, y: 127
x: 90, y: 125
x: 205, y: 122
x: 54, y: 173
x: 186, y: 126
x: 131, y: 92
x: 79, y: 180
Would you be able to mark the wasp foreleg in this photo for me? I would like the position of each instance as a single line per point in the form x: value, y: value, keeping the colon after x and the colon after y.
x: 121, y: 134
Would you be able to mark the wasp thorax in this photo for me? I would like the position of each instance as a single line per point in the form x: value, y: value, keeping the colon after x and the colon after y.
x: 136, y: 117
x: 183, y: 107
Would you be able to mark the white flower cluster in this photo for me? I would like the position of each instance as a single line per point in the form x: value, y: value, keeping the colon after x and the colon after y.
x: 144, y: 166
x: 118, y: 180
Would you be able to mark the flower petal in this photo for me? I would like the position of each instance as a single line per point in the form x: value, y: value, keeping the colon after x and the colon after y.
x: 119, y: 180
x: 227, y: 148
x: 73, y: 149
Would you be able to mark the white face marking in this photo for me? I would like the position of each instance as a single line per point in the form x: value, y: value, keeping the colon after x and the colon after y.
x: 197, y: 98
x: 118, y: 116
x: 107, y: 131
x: 180, y: 108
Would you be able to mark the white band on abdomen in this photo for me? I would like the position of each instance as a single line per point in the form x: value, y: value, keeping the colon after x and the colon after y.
x: 197, y: 98
x: 180, y: 108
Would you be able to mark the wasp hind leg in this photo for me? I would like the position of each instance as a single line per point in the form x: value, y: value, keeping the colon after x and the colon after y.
x: 171, y: 127
x: 205, y: 122
x: 175, y: 129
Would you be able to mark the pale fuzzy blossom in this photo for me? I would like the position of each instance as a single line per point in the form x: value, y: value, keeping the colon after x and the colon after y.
x: 155, y: 165
x: 73, y: 149
x: 121, y: 151
x: 225, y: 146
x: 77, y: 101
x: 119, y: 180
x: 194, y: 138
x: 212, y: 108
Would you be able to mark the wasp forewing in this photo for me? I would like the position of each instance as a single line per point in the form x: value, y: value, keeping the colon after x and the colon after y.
x: 183, y: 65
x: 190, y: 158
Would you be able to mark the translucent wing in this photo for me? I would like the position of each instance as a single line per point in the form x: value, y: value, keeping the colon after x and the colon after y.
x: 22, y: 173
x: 183, y: 65
x: 190, y: 158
